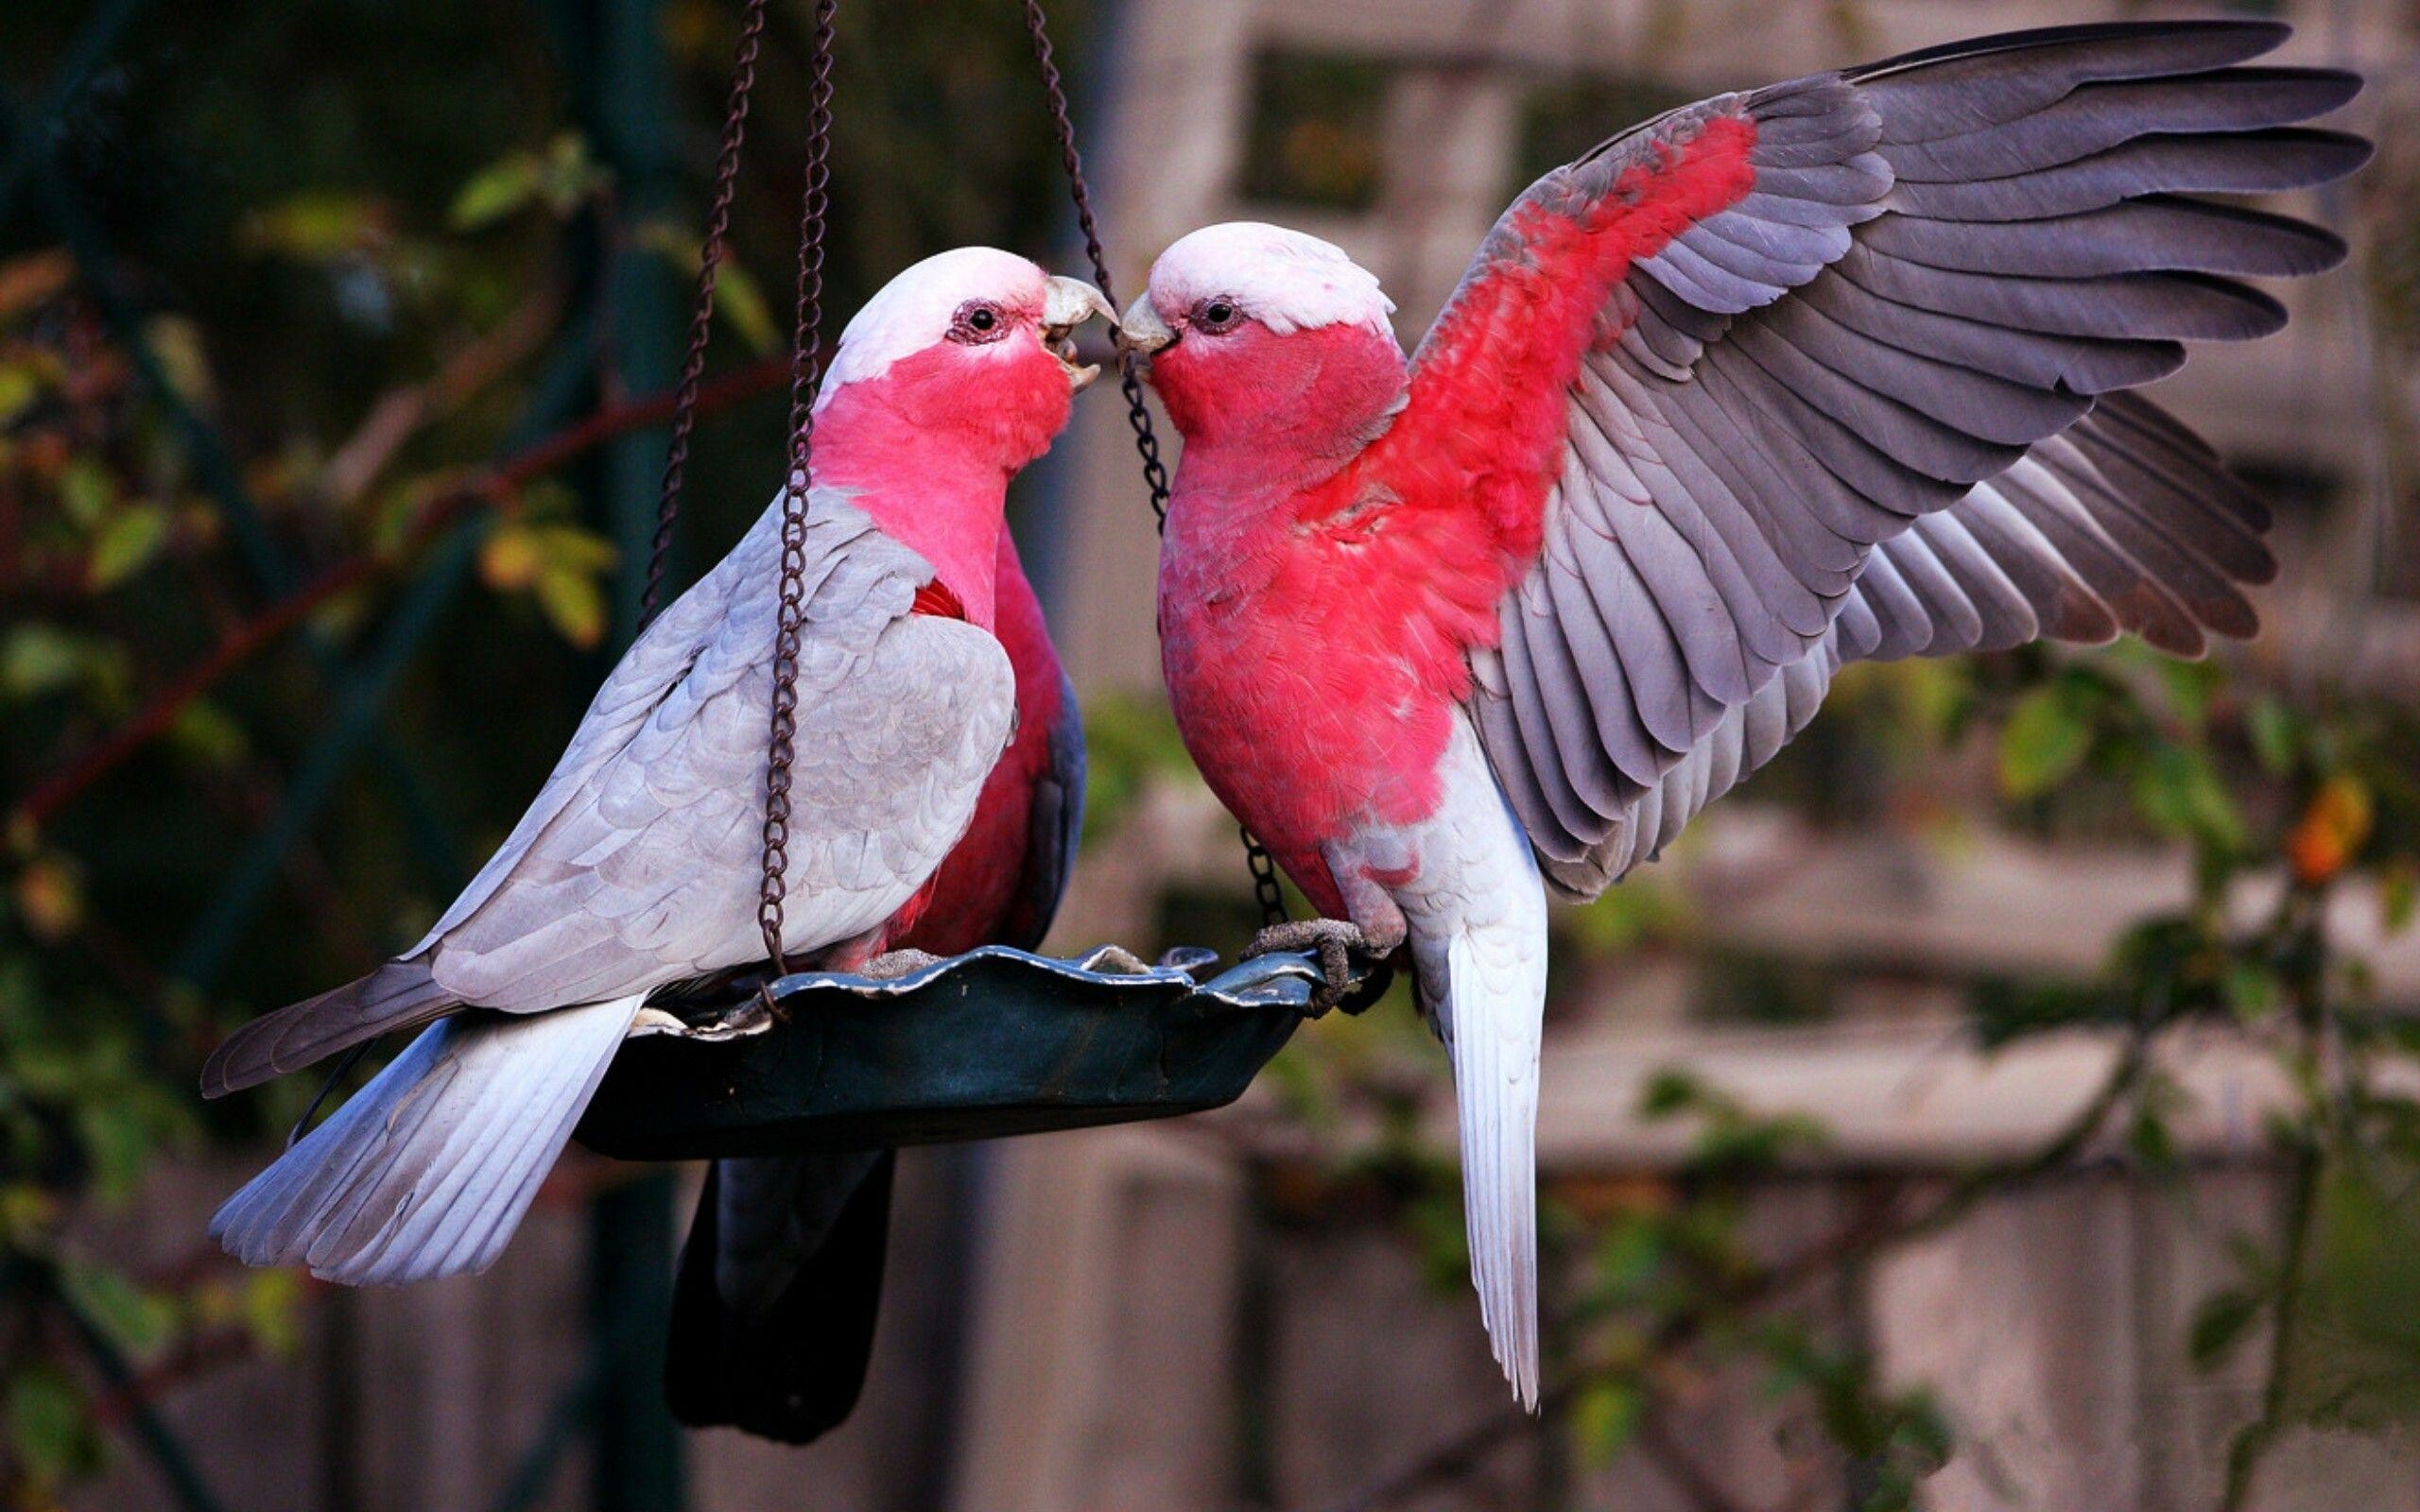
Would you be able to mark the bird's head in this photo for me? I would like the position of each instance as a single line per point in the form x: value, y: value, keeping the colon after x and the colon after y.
x: 974, y: 349
x: 1261, y: 334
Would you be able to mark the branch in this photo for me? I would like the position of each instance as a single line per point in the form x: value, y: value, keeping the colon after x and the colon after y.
x: 486, y: 489
x: 401, y: 413
x: 1465, y: 1451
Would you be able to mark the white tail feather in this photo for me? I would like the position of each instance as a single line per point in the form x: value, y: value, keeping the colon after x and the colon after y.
x: 428, y: 1171
x: 1496, y: 1004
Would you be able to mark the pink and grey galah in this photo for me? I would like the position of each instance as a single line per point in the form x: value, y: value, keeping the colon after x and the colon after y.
x: 1832, y: 370
x: 637, y: 865
x: 781, y: 1280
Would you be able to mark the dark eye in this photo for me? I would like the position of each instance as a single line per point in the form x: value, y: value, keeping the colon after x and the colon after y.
x: 1215, y: 316
x: 977, y: 323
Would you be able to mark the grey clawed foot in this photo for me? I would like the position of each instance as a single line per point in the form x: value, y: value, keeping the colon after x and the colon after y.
x: 893, y: 965
x: 1335, y: 940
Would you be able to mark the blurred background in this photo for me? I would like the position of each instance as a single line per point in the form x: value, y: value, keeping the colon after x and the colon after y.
x: 2003, y: 1101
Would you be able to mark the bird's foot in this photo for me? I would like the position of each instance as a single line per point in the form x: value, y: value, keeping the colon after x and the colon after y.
x: 1335, y: 940
x: 892, y: 965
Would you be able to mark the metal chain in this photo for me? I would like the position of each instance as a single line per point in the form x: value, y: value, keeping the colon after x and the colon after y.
x: 1147, y: 441
x: 807, y: 373
x: 701, y: 315
x: 1138, y: 415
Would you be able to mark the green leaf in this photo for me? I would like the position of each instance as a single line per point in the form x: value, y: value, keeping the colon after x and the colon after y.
x: 176, y: 340
x: 317, y: 226
x: 496, y: 191
x: 572, y: 549
x: 20, y: 386
x: 127, y: 544
x: 2276, y: 738
x: 742, y: 303
x: 206, y: 732
x: 1605, y: 1418
x: 573, y: 604
x: 2177, y: 790
x: 118, y: 1141
x: 2219, y: 1324
x: 2398, y: 896
x: 136, y: 1320
x: 86, y: 491
x: 39, y: 658
x: 2046, y: 740
x: 269, y: 1303
x: 1669, y: 1092
x: 48, y: 1426
x: 568, y: 177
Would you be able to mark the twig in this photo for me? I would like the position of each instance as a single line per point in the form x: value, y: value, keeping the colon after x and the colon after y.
x: 2252, y: 1444
x: 490, y: 488
x: 400, y: 413
x: 1471, y: 1448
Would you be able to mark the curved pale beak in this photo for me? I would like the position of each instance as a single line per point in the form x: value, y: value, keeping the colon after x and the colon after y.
x: 1141, y: 331
x: 1068, y: 304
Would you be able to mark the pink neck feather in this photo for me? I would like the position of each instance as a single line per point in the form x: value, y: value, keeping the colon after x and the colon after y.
x: 929, y: 446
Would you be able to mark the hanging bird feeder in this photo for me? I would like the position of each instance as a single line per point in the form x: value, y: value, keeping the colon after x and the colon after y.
x: 990, y: 1043
x: 994, y: 1042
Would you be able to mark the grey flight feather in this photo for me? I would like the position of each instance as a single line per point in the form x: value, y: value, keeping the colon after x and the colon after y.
x: 1874, y: 406
x: 2065, y: 553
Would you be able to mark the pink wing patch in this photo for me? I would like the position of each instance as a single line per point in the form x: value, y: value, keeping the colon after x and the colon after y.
x: 1489, y: 407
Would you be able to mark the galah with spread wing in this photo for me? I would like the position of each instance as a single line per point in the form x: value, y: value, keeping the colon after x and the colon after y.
x: 637, y: 865
x: 1827, y: 371
x: 781, y: 1281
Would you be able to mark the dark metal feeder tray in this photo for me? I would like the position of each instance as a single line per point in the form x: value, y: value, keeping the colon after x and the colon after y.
x: 990, y: 1043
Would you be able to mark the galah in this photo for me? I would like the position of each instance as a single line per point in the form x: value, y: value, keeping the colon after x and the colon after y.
x: 781, y: 1280
x: 637, y: 866
x: 1827, y: 372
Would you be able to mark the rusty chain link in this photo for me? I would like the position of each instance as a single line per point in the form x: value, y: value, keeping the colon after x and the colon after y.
x: 807, y: 373
x: 1138, y: 415
x: 701, y: 315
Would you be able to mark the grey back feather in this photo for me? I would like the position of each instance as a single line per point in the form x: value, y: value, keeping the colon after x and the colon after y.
x: 637, y: 864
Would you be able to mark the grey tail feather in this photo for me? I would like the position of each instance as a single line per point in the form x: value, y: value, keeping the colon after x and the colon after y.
x: 428, y: 1171
x: 398, y: 995
x: 780, y: 1287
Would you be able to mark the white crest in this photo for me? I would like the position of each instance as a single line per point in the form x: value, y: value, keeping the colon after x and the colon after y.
x: 913, y: 311
x: 1284, y: 279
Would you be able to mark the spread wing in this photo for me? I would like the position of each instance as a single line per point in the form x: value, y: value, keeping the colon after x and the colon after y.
x: 1734, y: 379
x: 637, y: 865
x: 2076, y: 542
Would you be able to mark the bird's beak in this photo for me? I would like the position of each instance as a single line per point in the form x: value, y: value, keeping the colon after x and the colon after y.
x: 1141, y: 331
x: 1068, y: 304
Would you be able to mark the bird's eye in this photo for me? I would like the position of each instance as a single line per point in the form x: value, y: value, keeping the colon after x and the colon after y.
x: 977, y: 322
x: 1214, y: 316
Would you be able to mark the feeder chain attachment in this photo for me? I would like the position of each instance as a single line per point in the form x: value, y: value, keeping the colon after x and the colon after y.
x: 701, y: 314
x: 807, y: 373
x: 1138, y: 415
x: 1062, y: 125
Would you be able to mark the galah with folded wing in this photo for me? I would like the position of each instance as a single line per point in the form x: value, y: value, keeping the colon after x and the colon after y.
x: 637, y: 865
